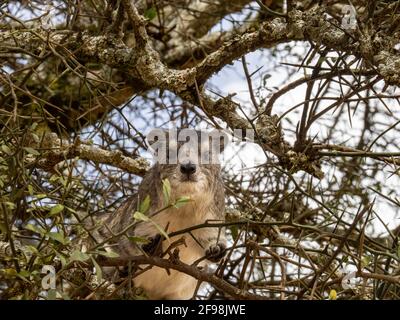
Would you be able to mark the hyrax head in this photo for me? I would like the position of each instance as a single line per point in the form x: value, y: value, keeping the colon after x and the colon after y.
x: 188, y: 158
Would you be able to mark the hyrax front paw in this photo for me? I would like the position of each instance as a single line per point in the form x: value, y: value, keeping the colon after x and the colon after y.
x: 153, y: 246
x: 216, y: 252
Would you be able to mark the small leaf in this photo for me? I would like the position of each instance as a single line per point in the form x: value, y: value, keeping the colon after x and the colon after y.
x: 99, y: 272
x: 62, y: 259
x: 35, y: 137
x: 70, y: 209
x: 24, y: 274
x: 332, y: 295
x: 56, y: 209
x: 32, y: 151
x: 51, y: 294
x: 79, y: 256
x: 235, y: 232
x: 53, y: 178
x: 182, y: 201
x: 65, y: 296
x: 161, y: 230
x: 32, y: 250
x: 6, y: 149
x: 3, y: 228
x: 145, y: 205
x: 150, y: 13
x: 10, y: 272
x: 140, y: 216
x: 58, y: 236
x: 34, y: 125
x: 365, y: 261
x: 35, y: 229
x: 10, y: 205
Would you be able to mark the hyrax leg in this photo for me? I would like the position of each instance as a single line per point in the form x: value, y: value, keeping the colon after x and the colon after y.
x: 214, y: 243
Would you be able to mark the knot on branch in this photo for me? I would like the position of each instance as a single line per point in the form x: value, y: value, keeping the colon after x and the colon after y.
x: 306, y: 161
x: 273, y: 29
x: 270, y: 131
x: 389, y: 67
x: 314, y: 24
x: 108, y: 48
x: 224, y: 107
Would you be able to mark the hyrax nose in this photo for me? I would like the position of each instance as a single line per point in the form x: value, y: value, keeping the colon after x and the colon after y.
x: 188, y: 168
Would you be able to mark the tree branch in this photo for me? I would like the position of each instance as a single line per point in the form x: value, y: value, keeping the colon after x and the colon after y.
x: 59, y: 150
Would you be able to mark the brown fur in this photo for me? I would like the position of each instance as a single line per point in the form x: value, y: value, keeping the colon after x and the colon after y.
x: 207, y: 194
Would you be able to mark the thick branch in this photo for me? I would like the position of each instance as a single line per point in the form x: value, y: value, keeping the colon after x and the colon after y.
x: 60, y: 151
x: 193, y: 271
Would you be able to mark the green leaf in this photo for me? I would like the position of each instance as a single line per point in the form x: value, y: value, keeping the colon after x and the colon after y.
x: 34, y: 125
x: 6, y: 149
x: 24, y: 274
x: 53, y: 178
x: 70, y: 209
x: 182, y: 201
x: 10, y: 272
x: 365, y: 261
x: 32, y: 250
x: 99, y: 272
x: 78, y: 256
x: 65, y: 296
x: 56, y: 209
x: 145, y: 205
x: 30, y: 189
x: 166, y: 191
x: 51, y: 294
x: 58, y: 236
x: 161, y: 230
x: 10, y: 205
x: 35, y: 137
x: 140, y: 216
x: 150, y: 13
x: 62, y: 259
x: 32, y: 151
x: 3, y: 228
x: 35, y: 229
x: 235, y: 232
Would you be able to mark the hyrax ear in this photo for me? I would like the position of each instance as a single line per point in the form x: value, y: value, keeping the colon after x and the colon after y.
x: 219, y: 140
